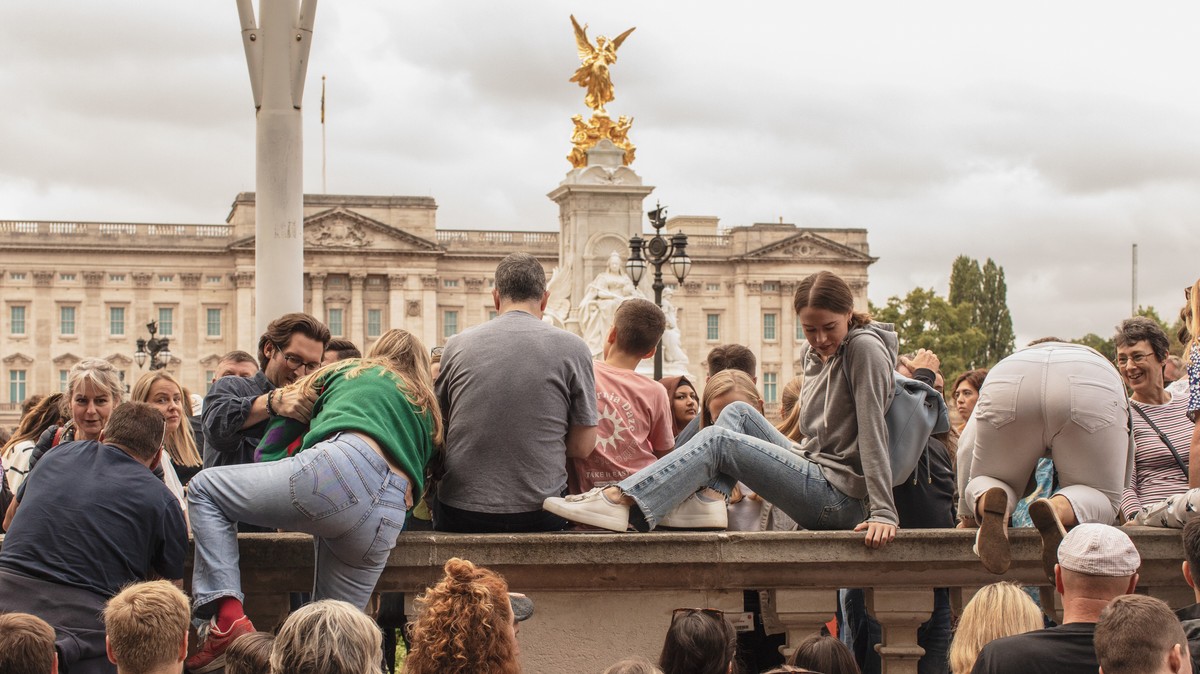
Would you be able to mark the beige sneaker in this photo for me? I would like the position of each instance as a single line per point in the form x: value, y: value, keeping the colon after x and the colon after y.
x: 591, y: 507
x: 697, y: 513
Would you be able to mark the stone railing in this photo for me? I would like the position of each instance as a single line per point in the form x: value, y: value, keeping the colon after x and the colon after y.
x: 484, y: 239
x: 60, y: 228
x: 600, y: 597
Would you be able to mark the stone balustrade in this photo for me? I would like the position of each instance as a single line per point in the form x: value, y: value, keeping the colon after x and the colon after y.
x: 91, y: 229
x: 600, y: 597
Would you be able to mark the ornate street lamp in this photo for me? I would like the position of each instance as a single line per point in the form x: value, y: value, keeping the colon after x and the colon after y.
x: 658, y: 251
x: 155, y: 349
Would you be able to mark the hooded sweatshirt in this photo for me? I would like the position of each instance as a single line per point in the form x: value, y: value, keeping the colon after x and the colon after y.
x: 844, y: 429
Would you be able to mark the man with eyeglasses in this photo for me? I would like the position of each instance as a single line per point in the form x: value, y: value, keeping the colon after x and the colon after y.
x: 237, y: 409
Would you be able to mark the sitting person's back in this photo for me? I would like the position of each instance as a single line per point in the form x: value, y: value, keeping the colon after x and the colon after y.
x: 518, y: 396
x: 634, y: 412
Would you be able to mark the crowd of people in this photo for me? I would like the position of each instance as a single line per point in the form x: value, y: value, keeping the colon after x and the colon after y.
x: 101, y: 489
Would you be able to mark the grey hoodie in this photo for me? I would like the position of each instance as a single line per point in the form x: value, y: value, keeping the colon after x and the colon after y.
x: 845, y: 432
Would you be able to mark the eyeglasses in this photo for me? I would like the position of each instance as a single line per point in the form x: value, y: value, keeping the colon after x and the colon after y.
x: 1137, y: 358
x: 296, y: 363
x: 714, y: 613
x: 436, y: 351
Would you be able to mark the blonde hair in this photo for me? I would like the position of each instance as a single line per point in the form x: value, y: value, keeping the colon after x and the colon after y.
x: 147, y: 624
x: 1192, y: 322
x: 723, y: 382
x: 997, y: 610
x: 633, y: 666
x: 401, y: 353
x: 789, y: 408
x: 462, y: 625
x: 180, y: 444
x: 250, y: 654
x: 99, y: 373
x: 327, y: 637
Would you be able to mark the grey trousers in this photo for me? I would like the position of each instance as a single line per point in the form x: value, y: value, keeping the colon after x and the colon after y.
x: 1064, y: 401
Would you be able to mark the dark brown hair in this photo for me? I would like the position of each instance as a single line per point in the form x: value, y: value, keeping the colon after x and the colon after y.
x: 46, y: 413
x: 826, y: 290
x: 138, y: 428
x: 640, y: 324
x: 1139, y: 329
x: 279, y: 332
x: 1191, y: 547
x: 973, y: 377
x: 344, y: 349
x: 731, y: 357
x: 824, y: 654
x: 250, y: 654
x: 698, y: 643
x: 26, y: 644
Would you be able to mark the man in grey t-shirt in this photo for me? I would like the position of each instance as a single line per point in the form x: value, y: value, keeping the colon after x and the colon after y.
x: 518, y: 397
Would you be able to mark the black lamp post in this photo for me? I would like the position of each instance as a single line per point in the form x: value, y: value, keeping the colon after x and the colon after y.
x: 658, y: 252
x: 156, y: 349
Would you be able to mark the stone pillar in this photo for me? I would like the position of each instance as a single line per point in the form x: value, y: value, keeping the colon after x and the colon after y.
x: 358, y: 333
x: 41, y: 321
x: 599, y: 208
x: 246, y: 339
x: 316, y: 282
x: 429, y: 311
x: 739, y: 316
x: 900, y: 611
x: 787, y: 322
x: 396, y: 317
x: 185, y: 343
x: 799, y: 612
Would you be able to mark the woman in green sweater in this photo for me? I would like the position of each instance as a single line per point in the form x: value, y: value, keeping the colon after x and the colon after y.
x: 347, y: 478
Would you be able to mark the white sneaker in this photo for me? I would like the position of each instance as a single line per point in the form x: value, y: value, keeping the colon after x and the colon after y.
x: 697, y: 513
x: 591, y: 507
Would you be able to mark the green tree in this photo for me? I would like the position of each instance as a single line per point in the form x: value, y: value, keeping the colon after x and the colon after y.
x: 925, y: 320
x: 1104, y: 346
x: 966, y: 281
x: 992, y: 315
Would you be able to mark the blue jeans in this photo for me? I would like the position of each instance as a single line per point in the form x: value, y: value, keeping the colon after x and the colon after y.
x: 339, y: 490
x: 743, y: 446
x: 861, y: 633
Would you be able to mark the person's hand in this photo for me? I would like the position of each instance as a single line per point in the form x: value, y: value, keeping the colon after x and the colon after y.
x: 923, y: 358
x: 879, y: 534
x: 291, y: 402
x: 967, y: 523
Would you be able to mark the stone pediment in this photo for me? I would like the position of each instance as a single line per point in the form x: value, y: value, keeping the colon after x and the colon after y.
x: 119, y: 360
x: 808, y: 245
x: 210, y: 360
x: 66, y: 360
x: 342, y: 230
x: 18, y: 359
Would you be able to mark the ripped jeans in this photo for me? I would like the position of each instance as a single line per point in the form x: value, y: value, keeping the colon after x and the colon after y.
x: 339, y: 490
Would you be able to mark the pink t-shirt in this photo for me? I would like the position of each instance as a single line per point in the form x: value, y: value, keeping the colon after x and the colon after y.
x: 633, y: 429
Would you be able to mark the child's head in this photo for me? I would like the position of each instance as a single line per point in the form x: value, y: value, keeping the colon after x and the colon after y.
x: 638, y: 325
x: 250, y: 654
x: 633, y: 666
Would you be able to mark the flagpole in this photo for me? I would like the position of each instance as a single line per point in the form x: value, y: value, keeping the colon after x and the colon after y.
x: 324, y: 190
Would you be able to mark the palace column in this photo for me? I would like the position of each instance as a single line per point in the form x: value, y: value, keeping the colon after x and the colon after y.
x: 316, y: 280
x: 396, y: 315
x: 246, y: 339
x: 429, y: 310
x: 187, y: 331
x: 787, y: 320
x: 358, y: 333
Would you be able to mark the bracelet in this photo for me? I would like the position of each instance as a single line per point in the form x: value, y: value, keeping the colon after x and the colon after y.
x: 270, y: 407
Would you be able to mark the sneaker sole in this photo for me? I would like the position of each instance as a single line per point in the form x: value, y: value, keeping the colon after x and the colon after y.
x: 993, y: 532
x: 565, y: 511
x: 1050, y: 527
x: 699, y: 521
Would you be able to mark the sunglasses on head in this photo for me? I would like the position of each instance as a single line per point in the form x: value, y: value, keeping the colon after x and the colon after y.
x: 715, y: 613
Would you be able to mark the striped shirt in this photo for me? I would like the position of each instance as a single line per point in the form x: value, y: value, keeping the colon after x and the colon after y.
x: 1156, y: 474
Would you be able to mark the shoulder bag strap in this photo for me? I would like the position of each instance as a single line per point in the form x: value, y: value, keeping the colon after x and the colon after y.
x: 1162, y: 436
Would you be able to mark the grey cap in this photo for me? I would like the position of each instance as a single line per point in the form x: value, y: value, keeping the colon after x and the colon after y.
x: 522, y: 606
x: 1098, y: 550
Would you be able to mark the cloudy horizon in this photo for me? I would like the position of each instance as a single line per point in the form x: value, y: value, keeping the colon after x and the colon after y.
x: 1047, y: 136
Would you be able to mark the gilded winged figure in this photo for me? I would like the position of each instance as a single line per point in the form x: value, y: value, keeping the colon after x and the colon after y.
x: 593, y: 74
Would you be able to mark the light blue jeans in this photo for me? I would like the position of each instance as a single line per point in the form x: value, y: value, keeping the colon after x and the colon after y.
x: 743, y: 446
x: 339, y: 490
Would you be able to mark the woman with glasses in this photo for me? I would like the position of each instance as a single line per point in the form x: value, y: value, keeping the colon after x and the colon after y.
x: 699, y: 641
x: 1162, y: 431
x: 348, y: 478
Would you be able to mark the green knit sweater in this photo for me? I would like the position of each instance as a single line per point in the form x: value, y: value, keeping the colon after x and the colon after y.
x: 370, y: 403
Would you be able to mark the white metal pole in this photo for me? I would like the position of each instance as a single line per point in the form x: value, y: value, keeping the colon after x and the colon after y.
x: 278, y: 51
x: 1133, y: 301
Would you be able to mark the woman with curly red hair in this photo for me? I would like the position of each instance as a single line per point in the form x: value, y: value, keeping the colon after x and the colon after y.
x: 465, y: 625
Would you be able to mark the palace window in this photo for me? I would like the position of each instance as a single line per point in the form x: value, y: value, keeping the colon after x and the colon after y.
x: 63, y: 377
x: 166, y: 278
x: 713, y: 287
x: 449, y: 324
x: 66, y: 320
x: 116, y: 278
x: 208, y: 380
x: 16, y: 275
x: 335, y: 321
x: 769, y: 333
x: 213, y: 322
x: 770, y: 286
x: 450, y: 283
x: 713, y: 325
x: 214, y: 279
x: 374, y: 322
x: 116, y: 321
x: 66, y: 277
x: 16, y: 386
x: 16, y: 317
x: 166, y: 321
x: 770, y: 387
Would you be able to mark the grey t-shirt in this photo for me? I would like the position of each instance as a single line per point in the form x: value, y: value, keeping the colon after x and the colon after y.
x: 509, y: 389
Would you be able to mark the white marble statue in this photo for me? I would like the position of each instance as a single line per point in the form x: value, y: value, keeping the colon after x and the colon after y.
x: 600, y: 301
x: 671, y: 339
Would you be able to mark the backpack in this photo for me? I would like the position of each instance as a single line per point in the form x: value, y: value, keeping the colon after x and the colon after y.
x: 916, y: 412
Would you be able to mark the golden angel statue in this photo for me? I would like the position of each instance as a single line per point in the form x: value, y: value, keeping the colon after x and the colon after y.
x: 593, y: 74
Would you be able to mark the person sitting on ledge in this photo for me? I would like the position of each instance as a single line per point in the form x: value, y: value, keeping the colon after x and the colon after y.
x: 839, y: 477
x: 1096, y: 564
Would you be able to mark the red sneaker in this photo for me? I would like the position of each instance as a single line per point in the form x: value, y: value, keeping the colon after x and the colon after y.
x: 211, y: 655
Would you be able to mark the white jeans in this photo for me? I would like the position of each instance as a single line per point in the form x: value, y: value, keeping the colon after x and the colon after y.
x: 1064, y: 401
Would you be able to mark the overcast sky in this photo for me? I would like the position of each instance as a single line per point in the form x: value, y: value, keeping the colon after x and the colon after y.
x: 1050, y: 136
